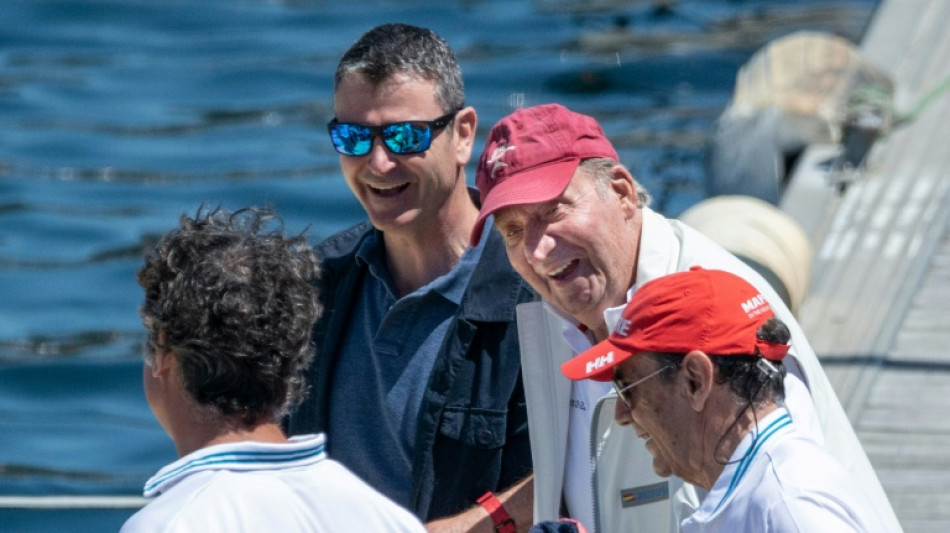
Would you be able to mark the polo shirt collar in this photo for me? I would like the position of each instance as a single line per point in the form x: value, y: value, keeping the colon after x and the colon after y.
x: 451, y: 285
x: 244, y: 456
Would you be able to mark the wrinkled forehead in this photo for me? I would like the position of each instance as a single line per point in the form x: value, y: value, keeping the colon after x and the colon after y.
x: 355, y: 84
x: 397, y: 97
x: 356, y: 75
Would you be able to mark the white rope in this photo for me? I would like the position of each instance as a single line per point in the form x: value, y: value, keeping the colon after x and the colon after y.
x: 72, y: 502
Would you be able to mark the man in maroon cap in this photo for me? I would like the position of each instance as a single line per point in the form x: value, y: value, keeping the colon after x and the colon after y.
x: 579, y: 229
x: 696, y: 360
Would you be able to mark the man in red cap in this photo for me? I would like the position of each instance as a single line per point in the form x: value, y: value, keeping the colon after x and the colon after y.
x: 696, y: 360
x: 579, y: 229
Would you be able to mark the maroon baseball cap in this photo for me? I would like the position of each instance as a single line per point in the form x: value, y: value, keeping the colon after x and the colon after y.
x: 531, y: 156
x: 713, y: 311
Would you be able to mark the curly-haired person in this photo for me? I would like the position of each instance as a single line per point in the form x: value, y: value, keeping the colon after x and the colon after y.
x: 229, y: 306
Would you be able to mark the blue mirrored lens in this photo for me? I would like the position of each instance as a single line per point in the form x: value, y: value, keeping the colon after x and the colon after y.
x: 411, y: 137
x: 351, y: 139
x: 407, y: 138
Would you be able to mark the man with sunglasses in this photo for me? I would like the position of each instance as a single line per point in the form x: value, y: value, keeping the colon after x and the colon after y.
x: 697, y: 362
x: 579, y: 229
x: 417, y: 377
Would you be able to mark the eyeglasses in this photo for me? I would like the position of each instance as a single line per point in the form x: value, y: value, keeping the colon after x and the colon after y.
x: 401, y: 138
x: 622, y: 389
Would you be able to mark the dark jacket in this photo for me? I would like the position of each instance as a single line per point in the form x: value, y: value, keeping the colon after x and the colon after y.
x: 473, y: 422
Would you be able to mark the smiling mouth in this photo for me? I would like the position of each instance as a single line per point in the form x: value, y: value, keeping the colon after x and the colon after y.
x: 388, y: 190
x: 564, y: 271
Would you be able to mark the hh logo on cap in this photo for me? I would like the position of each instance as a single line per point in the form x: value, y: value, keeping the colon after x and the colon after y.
x: 495, y: 159
x: 755, y: 306
x: 600, y: 362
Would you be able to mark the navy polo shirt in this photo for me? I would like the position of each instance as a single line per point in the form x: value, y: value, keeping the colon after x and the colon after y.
x: 388, y: 354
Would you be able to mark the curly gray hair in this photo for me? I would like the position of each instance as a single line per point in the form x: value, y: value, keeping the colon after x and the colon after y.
x: 235, y: 304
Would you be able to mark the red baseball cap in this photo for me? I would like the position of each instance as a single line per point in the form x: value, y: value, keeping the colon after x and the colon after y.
x: 531, y: 155
x: 708, y: 310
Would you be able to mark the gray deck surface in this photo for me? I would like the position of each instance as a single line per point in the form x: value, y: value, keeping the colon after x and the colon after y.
x: 878, y: 309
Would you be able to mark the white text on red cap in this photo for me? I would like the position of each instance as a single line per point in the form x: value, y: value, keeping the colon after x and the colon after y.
x: 600, y: 362
x: 755, y: 306
x: 622, y: 327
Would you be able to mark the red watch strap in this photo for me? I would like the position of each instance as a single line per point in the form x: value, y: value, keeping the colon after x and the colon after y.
x: 499, y: 516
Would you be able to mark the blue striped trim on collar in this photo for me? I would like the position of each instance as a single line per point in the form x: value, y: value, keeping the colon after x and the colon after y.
x: 241, y: 456
x: 763, y: 437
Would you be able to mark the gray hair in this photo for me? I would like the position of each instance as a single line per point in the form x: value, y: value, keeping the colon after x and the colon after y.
x: 234, y: 301
x: 391, y: 49
x: 600, y: 168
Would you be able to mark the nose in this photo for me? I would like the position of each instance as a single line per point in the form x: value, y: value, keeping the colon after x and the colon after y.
x: 380, y: 160
x: 622, y: 413
x: 538, y: 243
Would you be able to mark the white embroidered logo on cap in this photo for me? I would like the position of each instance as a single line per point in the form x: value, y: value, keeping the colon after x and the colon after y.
x: 600, y: 362
x: 495, y: 159
x: 755, y: 305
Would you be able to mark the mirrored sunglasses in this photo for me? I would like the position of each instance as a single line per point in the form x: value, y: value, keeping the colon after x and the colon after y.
x: 401, y: 138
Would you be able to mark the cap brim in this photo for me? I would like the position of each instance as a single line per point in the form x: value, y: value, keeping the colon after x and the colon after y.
x: 597, y: 363
x: 534, y: 186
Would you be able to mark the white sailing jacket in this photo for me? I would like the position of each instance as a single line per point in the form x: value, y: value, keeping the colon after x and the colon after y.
x: 626, y: 494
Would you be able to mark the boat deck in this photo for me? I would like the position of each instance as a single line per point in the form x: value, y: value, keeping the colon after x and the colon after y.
x: 878, y: 309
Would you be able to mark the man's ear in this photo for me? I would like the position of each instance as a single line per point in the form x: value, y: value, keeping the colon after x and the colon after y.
x: 624, y: 186
x: 698, y: 373
x: 161, y: 363
x: 163, y: 359
x: 466, y: 124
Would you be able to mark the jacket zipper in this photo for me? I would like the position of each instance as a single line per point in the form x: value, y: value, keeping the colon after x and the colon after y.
x: 594, y: 433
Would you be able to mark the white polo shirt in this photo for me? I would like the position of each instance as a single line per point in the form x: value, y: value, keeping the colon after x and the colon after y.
x: 786, y: 482
x: 254, y: 486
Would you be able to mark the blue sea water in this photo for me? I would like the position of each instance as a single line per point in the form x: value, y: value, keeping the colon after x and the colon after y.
x: 116, y: 116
